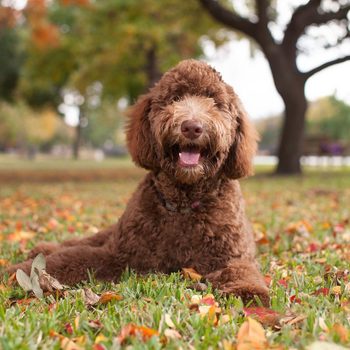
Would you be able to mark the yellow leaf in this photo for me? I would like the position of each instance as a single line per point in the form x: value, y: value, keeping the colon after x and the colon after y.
x: 100, y: 338
x: 191, y: 274
x: 68, y: 344
x: 336, y: 290
x: 251, y: 336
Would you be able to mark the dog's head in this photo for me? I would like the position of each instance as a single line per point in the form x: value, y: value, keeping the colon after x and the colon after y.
x: 192, y: 126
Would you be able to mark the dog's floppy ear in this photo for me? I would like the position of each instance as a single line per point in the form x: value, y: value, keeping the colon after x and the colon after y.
x: 239, y: 161
x: 138, y: 133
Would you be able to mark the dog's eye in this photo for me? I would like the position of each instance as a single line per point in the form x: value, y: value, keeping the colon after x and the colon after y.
x: 176, y: 98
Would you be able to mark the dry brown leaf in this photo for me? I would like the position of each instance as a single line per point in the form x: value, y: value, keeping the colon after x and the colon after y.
x: 251, y: 336
x: 191, y: 274
x: 90, y: 298
x: 49, y: 283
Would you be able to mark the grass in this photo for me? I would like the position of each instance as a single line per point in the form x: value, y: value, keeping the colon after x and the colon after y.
x: 302, y: 228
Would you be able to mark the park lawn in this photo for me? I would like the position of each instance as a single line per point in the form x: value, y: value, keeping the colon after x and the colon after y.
x: 302, y: 227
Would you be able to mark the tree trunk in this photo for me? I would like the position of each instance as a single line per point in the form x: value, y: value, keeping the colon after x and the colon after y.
x: 152, y: 69
x: 77, y: 138
x: 293, y: 131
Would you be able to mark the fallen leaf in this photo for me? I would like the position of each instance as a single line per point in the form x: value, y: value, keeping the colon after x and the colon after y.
x: 251, y: 336
x: 323, y: 291
x: 132, y: 330
x: 95, y: 324
x: 108, y: 297
x: 38, y: 265
x: 341, y: 332
x: 100, y: 338
x: 208, y: 300
x: 49, y: 283
x: 169, y: 322
x: 199, y: 287
x: 24, y: 280
x: 263, y: 315
x: 68, y: 344
x: 3, y: 262
x: 68, y: 327
x: 196, y: 299
x: 172, y: 334
x: 90, y: 298
x: 320, y: 345
x: 336, y: 290
x: 20, y: 236
x: 191, y: 274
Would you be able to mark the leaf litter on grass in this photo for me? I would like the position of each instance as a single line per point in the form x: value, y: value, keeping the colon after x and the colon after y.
x: 303, y: 236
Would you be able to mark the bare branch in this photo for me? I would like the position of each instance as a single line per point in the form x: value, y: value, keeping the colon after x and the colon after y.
x: 261, y: 10
x: 325, y: 65
x: 229, y: 18
x: 307, y: 15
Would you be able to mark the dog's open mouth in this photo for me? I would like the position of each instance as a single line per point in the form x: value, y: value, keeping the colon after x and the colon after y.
x: 189, y: 156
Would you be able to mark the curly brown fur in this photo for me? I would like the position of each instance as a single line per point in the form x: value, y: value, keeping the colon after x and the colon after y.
x: 189, y: 210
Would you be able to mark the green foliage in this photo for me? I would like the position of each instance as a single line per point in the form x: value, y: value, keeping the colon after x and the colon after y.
x: 11, y: 60
x: 22, y: 127
x: 120, y: 44
x: 105, y: 123
x: 330, y: 117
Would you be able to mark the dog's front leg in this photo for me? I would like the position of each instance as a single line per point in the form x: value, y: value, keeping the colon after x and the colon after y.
x: 71, y: 264
x: 241, y: 278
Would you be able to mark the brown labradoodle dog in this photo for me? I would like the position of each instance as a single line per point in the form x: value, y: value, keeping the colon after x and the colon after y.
x: 192, y: 134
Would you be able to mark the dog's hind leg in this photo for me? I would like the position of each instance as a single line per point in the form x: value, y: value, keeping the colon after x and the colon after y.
x: 95, y: 240
x: 241, y: 278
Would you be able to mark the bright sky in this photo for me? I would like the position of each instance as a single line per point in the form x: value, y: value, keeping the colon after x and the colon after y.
x: 252, y: 80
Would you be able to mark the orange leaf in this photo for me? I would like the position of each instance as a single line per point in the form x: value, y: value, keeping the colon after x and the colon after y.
x: 108, y: 297
x: 20, y: 236
x: 131, y: 330
x: 341, y: 332
x: 191, y: 274
x: 251, y: 336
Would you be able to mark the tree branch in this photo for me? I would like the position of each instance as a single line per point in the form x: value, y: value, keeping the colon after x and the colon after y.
x: 306, y: 15
x: 325, y: 65
x: 229, y: 18
x: 261, y: 10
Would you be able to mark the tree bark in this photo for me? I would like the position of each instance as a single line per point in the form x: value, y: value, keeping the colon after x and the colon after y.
x: 152, y: 70
x: 293, y: 132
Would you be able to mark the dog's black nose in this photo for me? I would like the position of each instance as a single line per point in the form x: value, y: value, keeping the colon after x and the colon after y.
x: 191, y: 129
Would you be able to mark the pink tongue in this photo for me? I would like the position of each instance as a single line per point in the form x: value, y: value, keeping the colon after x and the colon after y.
x: 189, y: 158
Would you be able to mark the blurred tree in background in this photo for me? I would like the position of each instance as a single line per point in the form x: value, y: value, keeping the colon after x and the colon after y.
x: 83, y: 57
x: 120, y: 45
x: 283, y: 44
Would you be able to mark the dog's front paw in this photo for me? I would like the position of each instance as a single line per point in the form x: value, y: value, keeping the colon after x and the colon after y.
x: 45, y: 248
x: 247, y: 292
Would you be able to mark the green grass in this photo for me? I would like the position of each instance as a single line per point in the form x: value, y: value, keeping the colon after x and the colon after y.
x: 303, y: 228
